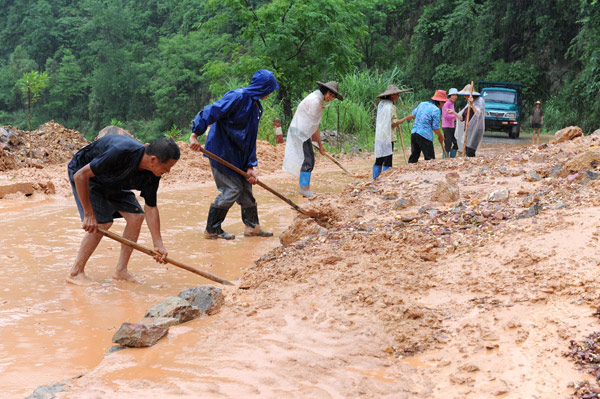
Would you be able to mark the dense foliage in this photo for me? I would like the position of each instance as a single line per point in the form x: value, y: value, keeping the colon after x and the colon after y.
x: 152, y: 64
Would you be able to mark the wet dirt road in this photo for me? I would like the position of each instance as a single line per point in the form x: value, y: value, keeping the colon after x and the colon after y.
x: 52, y: 330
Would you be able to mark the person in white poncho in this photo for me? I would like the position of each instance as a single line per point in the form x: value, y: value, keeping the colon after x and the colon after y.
x: 299, y: 156
x: 476, y: 120
x: 385, y: 132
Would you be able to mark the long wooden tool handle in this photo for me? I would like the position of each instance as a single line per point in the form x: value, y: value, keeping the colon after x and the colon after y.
x: 263, y: 185
x: 151, y: 252
x: 402, y: 142
x: 467, y: 124
x: 334, y: 160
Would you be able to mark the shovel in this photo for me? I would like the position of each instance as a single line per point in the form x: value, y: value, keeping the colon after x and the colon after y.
x: 338, y: 164
x: 263, y: 185
x: 151, y: 252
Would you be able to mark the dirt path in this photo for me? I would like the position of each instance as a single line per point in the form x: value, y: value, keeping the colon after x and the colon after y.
x: 401, y: 296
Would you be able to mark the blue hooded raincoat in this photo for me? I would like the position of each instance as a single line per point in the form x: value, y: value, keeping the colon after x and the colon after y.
x: 234, y: 119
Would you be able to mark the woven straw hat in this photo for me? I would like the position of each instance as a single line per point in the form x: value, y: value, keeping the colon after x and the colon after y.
x: 333, y: 87
x: 466, y: 91
x: 390, y: 90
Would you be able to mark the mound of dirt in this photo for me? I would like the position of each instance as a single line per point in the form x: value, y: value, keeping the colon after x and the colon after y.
x: 51, y: 143
x: 194, y: 167
x: 384, y: 250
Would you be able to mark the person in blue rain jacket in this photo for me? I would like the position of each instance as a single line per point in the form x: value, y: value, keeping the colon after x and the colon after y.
x: 233, y: 122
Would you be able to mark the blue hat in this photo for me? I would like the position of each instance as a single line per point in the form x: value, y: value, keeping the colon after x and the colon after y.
x: 452, y: 91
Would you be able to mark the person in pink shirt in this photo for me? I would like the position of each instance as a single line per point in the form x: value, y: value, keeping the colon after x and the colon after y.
x: 449, y: 122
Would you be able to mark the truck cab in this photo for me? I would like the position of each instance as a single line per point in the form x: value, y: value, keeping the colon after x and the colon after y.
x: 503, y: 101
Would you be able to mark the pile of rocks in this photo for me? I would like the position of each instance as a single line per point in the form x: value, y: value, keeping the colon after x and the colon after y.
x: 51, y: 143
x: 190, y: 304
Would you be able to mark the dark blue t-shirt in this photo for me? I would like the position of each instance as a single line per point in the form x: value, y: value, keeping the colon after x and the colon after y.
x: 114, y: 160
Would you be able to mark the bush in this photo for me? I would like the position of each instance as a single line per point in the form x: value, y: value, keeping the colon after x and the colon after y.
x: 358, y: 111
x: 272, y: 108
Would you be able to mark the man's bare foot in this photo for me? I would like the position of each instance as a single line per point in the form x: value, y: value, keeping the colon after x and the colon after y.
x: 79, y: 279
x: 126, y: 276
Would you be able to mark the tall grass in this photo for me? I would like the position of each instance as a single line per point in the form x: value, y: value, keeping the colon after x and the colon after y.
x: 354, y: 118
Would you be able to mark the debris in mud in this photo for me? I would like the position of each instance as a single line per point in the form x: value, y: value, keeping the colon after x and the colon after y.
x: 114, y: 130
x: 50, y: 143
x: 566, y: 134
x: 25, y: 188
x: 325, y: 214
x: 138, y: 335
x: 49, y: 391
x: 446, y: 192
x: 499, y: 195
x: 206, y: 298
x: 586, y: 354
x: 300, y: 229
x: 585, y: 390
x: 174, y: 307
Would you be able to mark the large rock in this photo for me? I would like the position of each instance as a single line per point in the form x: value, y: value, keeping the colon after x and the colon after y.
x: 207, y: 298
x: 25, y: 188
x: 175, y: 307
x: 300, y: 229
x: 114, y: 130
x: 165, y: 322
x: 138, y: 335
x: 48, y: 391
x: 446, y: 192
x: 499, y: 195
x: 587, y: 160
x: 566, y: 134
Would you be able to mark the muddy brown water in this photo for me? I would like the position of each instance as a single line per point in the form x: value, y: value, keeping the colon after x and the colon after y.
x: 52, y: 330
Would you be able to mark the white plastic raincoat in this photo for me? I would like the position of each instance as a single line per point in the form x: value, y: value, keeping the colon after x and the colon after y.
x: 305, y: 122
x: 383, y: 129
x: 476, y: 125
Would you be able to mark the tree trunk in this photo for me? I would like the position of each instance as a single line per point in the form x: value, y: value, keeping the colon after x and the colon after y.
x: 29, y: 107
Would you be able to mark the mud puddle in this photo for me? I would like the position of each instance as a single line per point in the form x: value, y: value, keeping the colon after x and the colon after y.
x: 52, y: 330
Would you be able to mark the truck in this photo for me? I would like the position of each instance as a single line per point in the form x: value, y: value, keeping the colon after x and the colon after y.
x: 503, y: 105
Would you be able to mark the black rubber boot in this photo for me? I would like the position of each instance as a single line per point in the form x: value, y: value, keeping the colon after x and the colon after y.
x: 250, y: 219
x: 213, y: 224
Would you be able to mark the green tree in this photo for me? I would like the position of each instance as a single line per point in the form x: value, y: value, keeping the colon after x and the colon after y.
x: 18, y: 63
x: 300, y: 40
x: 179, y: 88
x: 67, y: 88
x: 31, y: 85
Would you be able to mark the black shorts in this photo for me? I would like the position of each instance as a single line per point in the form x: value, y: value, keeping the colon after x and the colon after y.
x: 106, y: 205
x: 536, y: 125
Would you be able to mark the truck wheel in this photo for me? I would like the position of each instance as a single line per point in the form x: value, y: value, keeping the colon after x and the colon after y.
x: 514, y: 132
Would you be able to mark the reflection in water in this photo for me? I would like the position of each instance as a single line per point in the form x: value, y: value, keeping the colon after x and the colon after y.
x: 52, y: 330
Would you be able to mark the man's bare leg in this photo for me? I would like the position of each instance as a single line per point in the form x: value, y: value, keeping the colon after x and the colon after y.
x: 89, y: 243
x: 131, y: 232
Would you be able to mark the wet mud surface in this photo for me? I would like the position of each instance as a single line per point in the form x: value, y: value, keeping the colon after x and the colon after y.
x: 392, y: 295
x: 52, y: 330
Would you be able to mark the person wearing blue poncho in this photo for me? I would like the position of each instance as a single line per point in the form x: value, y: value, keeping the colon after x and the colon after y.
x: 233, y: 122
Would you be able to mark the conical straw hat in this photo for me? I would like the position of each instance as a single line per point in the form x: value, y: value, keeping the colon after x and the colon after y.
x: 333, y: 87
